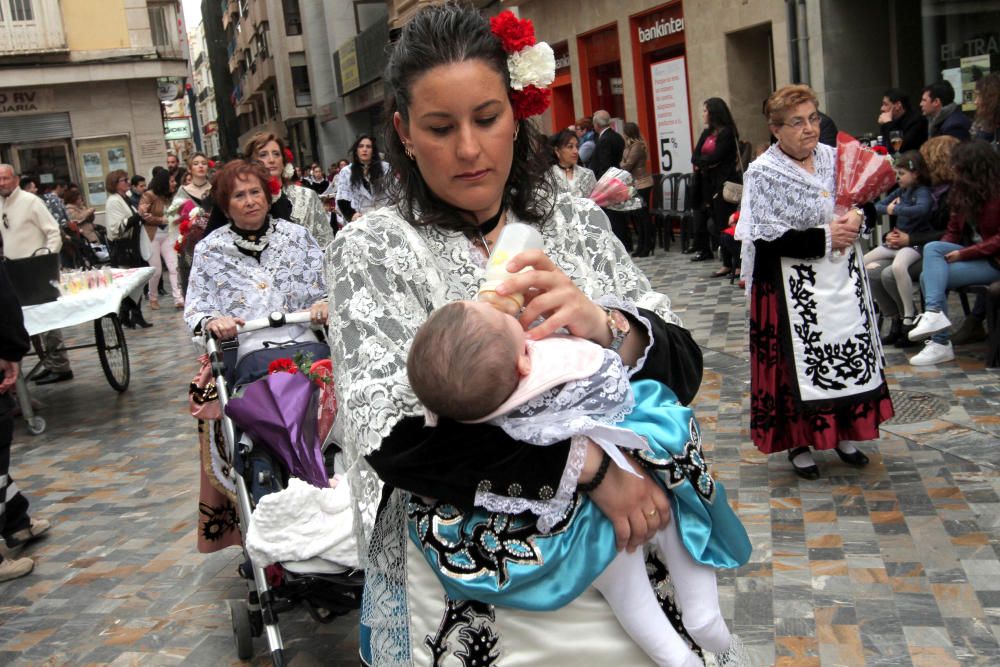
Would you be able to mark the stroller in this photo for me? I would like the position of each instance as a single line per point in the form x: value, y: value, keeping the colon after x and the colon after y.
x: 324, y: 588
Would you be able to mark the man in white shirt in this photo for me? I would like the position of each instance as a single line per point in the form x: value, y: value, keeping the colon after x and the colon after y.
x: 25, y: 226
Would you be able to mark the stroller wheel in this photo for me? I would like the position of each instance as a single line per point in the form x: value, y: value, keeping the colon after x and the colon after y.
x: 242, y: 632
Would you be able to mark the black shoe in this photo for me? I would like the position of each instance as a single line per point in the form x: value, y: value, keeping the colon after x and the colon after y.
x: 895, y: 331
x: 858, y: 458
x: 139, y: 320
x: 52, y: 378
x: 44, y: 373
x: 701, y: 256
x: 687, y: 251
x: 904, y: 337
x: 807, y: 472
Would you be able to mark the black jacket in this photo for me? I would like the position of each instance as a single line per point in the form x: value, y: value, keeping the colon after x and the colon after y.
x: 950, y: 121
x: 827, y: 130
x: 13, y: 336
x: 608, y: 152
x: 714, y: 168
x: 914, y: 128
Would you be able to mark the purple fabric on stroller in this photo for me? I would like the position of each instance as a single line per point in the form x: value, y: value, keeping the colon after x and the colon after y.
x: 279, y: 413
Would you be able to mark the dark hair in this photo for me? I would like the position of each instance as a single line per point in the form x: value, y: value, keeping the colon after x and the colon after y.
x: 111, y: 181
x: 139, y: 178
x: 25, y: 180
x: 988, y: 111
x: 457, y: 365
x: 896, y: 95
x: 940, y: 90
x: 224, y: 181
x: 159, y: 185
x: 632, y: 131
x: 977, y: 177
x: 913, y: 161
x: 375, y: 173
x: 442, y: 35
x: 560, y: 140
x: 718, y: 114
x: 179, y: 176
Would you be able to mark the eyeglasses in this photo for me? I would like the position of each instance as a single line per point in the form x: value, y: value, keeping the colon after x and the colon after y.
x: 799, y: 123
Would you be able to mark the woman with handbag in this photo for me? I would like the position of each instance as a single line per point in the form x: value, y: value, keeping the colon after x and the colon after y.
x: 714, y: 162
x: 130, y: 247
x: 634, y: 161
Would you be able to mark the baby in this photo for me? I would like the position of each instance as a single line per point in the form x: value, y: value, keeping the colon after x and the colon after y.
x: 472, y: 363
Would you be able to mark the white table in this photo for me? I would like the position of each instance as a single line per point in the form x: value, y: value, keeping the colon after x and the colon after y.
x: 100, y: 306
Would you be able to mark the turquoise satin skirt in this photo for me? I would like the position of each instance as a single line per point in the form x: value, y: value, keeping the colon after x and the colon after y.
x: 502, y: 559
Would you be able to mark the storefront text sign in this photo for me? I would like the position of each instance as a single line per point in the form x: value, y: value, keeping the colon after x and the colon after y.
x: 661, y: 28
x: 26, y: 101
x: 673, y: 121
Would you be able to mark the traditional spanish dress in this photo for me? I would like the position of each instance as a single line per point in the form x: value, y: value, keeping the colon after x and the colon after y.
x: 579, y: 184
x: 817, y: 372
x: 386, y: 277
x: 365, y: 195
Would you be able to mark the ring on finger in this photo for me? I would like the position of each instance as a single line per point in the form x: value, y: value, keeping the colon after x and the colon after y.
x: 651, y: 513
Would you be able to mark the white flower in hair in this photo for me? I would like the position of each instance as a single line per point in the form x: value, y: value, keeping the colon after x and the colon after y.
x: 532, y: 66
x: 288, y: 171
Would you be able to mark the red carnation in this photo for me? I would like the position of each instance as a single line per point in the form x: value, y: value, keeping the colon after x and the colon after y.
x: 184, y: 227
x: 275, y: 185
x: 288, y: 155
x: 514, y: 33
x: 881, y: 150
x: 282, y: 366
x: 177, y: 246
x: 530, y: 102
x: 211, y: 164
x: 322, y: 371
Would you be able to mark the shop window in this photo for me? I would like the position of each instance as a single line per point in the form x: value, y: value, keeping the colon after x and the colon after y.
x: 293, y: 17
x: 96, y: 158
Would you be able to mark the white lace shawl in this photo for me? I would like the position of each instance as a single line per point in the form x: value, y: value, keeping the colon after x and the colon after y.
x: 224, y: 281
x: 779, y: 196
x: 362, y: 200
x: 385, y: 278
x: 308, y: 211
x: 581, y: 185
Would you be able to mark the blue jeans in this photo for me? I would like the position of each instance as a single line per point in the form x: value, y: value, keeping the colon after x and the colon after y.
x: 939, y: 276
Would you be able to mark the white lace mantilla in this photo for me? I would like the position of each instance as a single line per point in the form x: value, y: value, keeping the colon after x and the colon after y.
x: 362, y: 199
x: 224, y: 281
x: 779, y: 196
x: 386, y: 276
x: 582, y: 184
x: 308, y: 211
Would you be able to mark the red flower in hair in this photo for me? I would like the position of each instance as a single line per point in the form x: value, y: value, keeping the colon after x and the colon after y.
x: 275, y: 185
x: 211, y: 164
x: 530, y: 102
x: 282, y: 366
x: 288, y: 155
x: 514, y: 33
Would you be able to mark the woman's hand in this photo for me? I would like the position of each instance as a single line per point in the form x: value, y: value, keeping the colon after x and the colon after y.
x: 549, y: 293
x: 891, y: 208
x: 319, y: 312
x: 637, y: 507
x: 224, y: 328
x: 952, y: 256
x: 897, y: 239
x: 843, y: 231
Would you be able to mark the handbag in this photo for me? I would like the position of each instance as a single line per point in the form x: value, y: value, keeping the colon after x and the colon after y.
x: 35, y: 278
x: 732, y: 191
x: 203, y: 398
x: 126, y: 249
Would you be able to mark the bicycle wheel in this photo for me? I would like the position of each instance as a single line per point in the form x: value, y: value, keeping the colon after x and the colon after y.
x: 113, y: 351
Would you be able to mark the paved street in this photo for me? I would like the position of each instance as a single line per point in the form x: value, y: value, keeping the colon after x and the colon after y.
x: 897, y: 564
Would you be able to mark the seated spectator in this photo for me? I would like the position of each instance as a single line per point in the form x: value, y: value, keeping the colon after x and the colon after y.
x: 897, y: 115
x: 944, y: 116
x: 969, y: 251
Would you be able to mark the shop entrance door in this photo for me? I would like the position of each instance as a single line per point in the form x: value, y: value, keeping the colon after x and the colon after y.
x: 49, y: 161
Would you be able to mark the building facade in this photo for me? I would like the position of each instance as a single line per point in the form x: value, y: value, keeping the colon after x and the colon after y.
x: 206, y: 114
x: 79, y: 84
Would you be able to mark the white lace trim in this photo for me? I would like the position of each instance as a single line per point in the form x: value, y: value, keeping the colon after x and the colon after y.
x: 549, y: 512
x: 582, y: 184
x: 308, y: 211
x: 362, y: 200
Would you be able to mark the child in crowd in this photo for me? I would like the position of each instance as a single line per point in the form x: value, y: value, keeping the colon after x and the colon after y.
x: 912, y: 203
x: 472, y: 363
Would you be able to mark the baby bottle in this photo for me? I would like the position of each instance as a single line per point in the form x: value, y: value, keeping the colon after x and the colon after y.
x: 514, y: 239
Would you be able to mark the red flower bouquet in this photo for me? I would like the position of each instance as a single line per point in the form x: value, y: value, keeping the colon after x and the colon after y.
x: 322, y: 374
x: 614, y: 187
x: 862, y: 174
x: 283, y: 365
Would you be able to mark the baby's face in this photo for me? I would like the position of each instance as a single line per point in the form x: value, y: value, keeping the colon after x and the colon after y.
x: 499, y: 321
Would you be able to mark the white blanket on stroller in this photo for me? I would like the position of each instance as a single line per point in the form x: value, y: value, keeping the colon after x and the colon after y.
x: 303, y: 522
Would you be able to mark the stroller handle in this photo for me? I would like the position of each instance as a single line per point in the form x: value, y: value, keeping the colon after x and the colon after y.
x: 275, y: 320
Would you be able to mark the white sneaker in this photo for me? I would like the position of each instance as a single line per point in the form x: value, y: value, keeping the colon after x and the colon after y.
x: 11, y: 568
x: 933, y: 353
x: 929, y: 323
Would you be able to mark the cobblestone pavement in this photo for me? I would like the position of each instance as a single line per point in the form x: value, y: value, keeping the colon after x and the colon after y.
x: 896, y: 564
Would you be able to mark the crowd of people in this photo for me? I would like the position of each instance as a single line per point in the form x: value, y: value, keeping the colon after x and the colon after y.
x: 395, y: 291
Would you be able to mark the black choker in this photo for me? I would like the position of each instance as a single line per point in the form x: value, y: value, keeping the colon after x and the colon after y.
x: 792, y: 157
x: 487, y: 226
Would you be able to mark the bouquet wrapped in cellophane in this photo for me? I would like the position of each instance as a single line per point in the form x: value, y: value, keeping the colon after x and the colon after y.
x: 614, y: 187
x: 862, y: 174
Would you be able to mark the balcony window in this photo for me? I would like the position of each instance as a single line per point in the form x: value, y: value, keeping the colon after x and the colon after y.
x: 20, y: 10
x: 293, y: 17
x: 163, y: 27
x: 30, y: 26
x: 300, y: 86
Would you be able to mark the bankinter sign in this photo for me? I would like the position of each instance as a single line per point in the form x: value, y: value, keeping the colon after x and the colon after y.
x: 662, y: 28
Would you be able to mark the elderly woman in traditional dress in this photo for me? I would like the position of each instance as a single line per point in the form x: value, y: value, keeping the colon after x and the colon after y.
x: 468, y: 166
x: 294, y: 203
x: 817, y: 376
x: 255, y: 265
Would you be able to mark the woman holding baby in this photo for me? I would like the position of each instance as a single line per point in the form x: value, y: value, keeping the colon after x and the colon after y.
x: 468, y: 165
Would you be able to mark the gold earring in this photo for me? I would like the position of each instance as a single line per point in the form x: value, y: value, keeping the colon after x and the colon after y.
x: 517, y: 128
x: 409, y: 153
